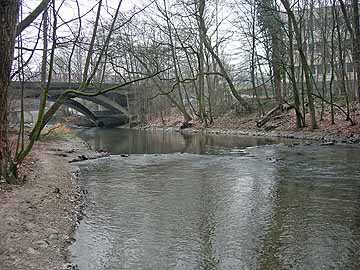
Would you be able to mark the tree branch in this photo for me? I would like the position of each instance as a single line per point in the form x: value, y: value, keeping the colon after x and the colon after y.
x: 31, y: 17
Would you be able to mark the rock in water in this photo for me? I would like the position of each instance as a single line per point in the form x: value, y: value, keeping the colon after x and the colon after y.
x: 327, y: 143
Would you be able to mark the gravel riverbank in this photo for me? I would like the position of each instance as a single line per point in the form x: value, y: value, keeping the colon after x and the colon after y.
x: 280, y: 126
x: 320, y: 136
x: 38, y: 218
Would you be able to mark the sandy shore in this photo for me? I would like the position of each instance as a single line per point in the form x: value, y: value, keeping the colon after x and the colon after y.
x: 38, y: 218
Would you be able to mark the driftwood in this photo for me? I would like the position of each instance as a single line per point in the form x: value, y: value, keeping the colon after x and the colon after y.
x: 186, y: 125
x: 268, y: 116
x: 274, y: 112
x: 95, y: 156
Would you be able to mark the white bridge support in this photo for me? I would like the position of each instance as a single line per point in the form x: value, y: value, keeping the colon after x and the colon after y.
x: 112, y: 103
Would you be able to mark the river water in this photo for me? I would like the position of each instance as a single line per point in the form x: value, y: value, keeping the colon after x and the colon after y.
x: 217, y: 202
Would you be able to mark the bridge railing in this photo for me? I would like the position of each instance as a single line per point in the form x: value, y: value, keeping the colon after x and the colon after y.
x: 64, y: 77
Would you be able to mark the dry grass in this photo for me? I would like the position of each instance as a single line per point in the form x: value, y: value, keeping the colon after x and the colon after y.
x: 57, y: 131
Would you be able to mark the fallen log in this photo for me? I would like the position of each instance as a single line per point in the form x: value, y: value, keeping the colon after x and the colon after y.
x: 84, y: 157
x: 268, y: 116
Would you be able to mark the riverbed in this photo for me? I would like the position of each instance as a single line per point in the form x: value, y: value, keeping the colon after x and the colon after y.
x: 188, y: 201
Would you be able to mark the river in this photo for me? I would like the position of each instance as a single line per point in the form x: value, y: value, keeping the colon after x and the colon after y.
x: 171, y: 201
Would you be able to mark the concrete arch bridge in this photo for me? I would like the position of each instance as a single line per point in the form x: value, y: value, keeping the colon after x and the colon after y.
x: 105, y: 110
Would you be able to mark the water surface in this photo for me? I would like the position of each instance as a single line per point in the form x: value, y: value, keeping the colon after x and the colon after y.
x: 218, y: 202
x: 132, y: 141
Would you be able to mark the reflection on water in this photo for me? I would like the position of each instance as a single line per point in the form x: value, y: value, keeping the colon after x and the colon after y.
x: 130, y: 141
x: 274, y: 208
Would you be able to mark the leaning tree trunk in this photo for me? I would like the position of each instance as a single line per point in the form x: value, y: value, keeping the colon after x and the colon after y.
x: 299, y: 120
x: 224, y: 73
x: 276, y: 66
x: 8, y: 18
x: 304, y: 63
x: 356, y: 47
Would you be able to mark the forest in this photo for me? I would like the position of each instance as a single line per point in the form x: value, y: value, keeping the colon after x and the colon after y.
x: 198, y: 59
x: 179, y: 134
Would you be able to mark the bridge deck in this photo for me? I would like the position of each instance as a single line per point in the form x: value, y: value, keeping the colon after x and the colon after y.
x: 33, y: 89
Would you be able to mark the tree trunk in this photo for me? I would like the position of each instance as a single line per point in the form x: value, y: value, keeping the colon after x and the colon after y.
x: 9, y: 10
x: 201, y: 97
x: 309, y: 85
x: 45, y: 47
x: 253, y: 63
x: 299, y: 119
x: 174, y: 59
x: 356, y: 45
x: 223, y: 71
x: 354, y: 31
x: 269, y: 18
x: 276, y: 67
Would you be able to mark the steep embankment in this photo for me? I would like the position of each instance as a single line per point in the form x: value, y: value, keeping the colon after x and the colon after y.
x: 281, y: 125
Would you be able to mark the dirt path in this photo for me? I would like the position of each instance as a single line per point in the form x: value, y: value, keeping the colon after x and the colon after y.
x: 38, y: 218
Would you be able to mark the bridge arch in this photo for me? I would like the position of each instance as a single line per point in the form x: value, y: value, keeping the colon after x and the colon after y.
x: 107, y: 103
x: 115, y: 102
x: 81, y: 109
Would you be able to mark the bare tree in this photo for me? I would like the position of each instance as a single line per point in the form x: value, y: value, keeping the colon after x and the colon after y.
x: 303, y: 59
x: 9, y: 10
x: 223, y: 72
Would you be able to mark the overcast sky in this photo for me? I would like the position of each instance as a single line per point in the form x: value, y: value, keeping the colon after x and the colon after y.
x: 233, y: 48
